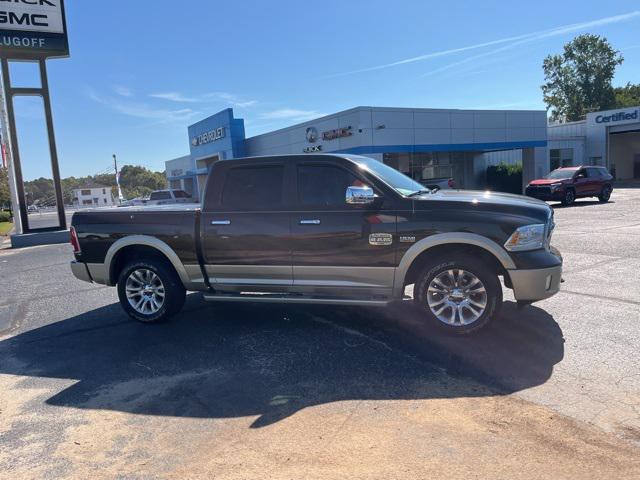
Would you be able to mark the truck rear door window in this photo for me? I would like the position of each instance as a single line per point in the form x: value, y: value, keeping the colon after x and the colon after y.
x: 254, y: 188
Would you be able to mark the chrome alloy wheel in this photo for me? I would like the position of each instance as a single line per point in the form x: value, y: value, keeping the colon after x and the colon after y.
x: 145, y: 291
x: 457, y: 297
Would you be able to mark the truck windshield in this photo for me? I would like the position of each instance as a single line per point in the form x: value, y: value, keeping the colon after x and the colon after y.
x: 392, y: 177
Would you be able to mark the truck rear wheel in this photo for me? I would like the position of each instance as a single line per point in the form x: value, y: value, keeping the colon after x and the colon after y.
x: 150, y: 290
x: 459, y: 294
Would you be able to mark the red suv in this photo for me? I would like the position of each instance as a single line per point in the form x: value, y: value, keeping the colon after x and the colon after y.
x: 567, y: 184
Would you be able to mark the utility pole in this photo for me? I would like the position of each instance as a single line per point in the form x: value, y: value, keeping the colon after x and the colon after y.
x: 115, y: 166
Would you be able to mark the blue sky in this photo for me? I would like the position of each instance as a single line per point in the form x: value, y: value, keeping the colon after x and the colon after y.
x: 141, y: 71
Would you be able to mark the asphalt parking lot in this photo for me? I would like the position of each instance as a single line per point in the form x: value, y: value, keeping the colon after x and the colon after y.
x: 248, y: 391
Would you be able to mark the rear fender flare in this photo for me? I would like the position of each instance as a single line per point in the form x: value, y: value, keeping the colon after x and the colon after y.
x: 148, y: 241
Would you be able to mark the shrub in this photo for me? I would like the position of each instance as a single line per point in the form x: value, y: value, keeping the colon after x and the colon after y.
x: 5, y: 216
x: 505, y: 178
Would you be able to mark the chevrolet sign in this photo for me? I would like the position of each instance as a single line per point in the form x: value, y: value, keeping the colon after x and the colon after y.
x: 208, y: 137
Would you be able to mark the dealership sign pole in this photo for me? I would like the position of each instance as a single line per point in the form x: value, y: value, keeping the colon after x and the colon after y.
x: 32, y: 31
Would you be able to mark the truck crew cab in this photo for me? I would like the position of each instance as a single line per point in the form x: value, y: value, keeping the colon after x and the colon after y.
x: 332, y: 229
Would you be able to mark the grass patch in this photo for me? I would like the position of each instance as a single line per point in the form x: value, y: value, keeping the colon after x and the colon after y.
x: 5, y: 227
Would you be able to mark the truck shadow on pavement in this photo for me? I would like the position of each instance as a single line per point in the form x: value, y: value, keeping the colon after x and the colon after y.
x: 271, y: 361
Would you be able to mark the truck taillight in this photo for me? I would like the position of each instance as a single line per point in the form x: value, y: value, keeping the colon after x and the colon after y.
x: 451, y: 183
x: 74, y: 240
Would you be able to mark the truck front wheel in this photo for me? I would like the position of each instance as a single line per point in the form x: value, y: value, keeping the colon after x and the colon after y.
x: 460, y: 294
x: 150, y: 290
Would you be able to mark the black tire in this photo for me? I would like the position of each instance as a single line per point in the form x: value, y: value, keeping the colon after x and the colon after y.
x: 569, y: 197
x: 457, y: 262
x: 174, y: 292
x: 605, y: 194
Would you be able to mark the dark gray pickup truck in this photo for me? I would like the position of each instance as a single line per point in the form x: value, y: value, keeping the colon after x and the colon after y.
x: 332, y: 229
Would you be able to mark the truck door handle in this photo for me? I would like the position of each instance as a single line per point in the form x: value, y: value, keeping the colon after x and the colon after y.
x: 310, y: 222
x: 220, y: 222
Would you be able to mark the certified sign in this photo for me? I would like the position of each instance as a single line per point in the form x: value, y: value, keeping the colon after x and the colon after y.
x: 32, y: 29
x: 618, y: 117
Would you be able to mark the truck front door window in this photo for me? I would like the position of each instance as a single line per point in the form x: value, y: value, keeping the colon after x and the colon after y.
x: 324, y: 185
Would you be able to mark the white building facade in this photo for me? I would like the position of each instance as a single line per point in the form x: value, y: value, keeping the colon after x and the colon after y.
x: 179, y: 176
x: 423, y: 143
x: 610, y: 138
x: 93, y: 196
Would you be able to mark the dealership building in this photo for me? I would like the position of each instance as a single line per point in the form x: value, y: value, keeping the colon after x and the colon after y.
x: 423, y: 143
x: 610, y: 138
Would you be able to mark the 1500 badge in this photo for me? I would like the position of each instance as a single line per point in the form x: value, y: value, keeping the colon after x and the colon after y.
x: 407, y: 239
x: 380, y: 239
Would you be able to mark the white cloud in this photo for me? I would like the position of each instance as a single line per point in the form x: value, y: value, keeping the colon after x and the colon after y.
x: 142, y: 110
x: 536, y: 37
x: 291, y: 114
x: 515, y: 40
x: 123, y: 91
x: 231, y: 99
x: 174, y: 97
x: 224, y: 97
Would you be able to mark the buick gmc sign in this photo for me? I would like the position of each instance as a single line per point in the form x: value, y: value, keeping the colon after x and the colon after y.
x: 33, y: 28
x: 618, y: 117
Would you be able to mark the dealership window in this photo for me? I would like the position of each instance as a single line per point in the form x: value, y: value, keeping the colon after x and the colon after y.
x: 560, y: 157
x: 85, y: 192
x: 253, y: 188
x: 424, y: 166
x: 87, y: 202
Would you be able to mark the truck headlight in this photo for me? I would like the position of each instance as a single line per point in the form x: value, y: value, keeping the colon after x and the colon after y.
x: 555, y: 186
x: 527, y: 237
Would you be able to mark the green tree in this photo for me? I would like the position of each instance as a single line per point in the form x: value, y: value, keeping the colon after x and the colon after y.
x: 135, y: 182
x: 5, y: 195
x: 578, y: 81
x: 627, y: 96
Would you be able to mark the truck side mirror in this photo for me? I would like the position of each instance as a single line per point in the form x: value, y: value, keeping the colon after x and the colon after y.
x: 360, y: 195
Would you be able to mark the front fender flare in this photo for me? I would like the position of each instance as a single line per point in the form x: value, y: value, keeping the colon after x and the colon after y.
x: 444, y: 239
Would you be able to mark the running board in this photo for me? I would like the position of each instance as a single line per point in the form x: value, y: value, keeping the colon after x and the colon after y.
x: 284, y: 298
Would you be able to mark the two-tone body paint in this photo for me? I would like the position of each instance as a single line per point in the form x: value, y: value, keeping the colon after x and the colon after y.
x: 340, y: 251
